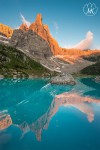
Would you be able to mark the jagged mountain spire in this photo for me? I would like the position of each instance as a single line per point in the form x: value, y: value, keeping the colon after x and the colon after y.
x: 43, y: 31
x: 39, y: 19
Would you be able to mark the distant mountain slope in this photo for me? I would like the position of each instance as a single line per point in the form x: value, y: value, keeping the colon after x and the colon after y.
x: 95, y: 57
x: 95, y: 68
x: 92, y: 70
x: 14, y: 63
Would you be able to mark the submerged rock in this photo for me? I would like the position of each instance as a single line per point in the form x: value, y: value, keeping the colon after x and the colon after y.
x: 1, y: 76
x: 97, y: 79
x: 63, y: 79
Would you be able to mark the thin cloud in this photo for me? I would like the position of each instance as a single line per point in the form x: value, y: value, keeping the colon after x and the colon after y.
x: 56, y: 27
x: 86, y: 43
x: 24, y: 20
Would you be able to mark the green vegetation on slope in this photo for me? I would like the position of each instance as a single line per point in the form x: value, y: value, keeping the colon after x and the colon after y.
x: 14, y: 63
x: 95, y: 68
x: 92, y: 70
x: 93, y: 57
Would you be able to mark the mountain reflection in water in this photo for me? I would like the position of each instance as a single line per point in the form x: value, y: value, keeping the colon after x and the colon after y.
x: 34, y: 114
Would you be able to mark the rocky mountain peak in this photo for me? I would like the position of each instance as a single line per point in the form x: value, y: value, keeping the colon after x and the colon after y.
x: 24, y: 27
x: 39, y: 28
x: 6, y: 30
x: 39, y: 19
x: 43, y: 31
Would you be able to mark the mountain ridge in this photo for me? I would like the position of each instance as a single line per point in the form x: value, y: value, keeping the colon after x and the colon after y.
x: 37, y: 43
x: 43, y: 31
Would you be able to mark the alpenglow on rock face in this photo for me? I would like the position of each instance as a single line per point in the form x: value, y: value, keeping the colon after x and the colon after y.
x: 5, y: 30
x: 24, y: 27
x: 43, y: 31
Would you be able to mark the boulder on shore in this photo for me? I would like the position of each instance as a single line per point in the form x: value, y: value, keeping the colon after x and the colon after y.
x: 97, y: 79
x: 63, y: 79
x: 1, y: 76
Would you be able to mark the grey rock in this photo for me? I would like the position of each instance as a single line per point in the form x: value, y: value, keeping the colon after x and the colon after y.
x: 32, y: 44
x: 63, y: 79
x: 97, y: 79
x: 1, y: 76
x: 3, y: 39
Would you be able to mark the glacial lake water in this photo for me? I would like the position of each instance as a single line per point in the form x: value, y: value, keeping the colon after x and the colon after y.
x: 35, y: 115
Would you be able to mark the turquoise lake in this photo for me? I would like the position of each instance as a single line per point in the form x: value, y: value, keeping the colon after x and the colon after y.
x: 35, y: 115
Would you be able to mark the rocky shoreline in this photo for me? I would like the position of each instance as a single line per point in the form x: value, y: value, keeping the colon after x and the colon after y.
x: 61, y: 79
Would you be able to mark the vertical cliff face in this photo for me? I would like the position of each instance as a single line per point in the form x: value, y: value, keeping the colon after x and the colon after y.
x: 43, y: 31
x: 5, y: 30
